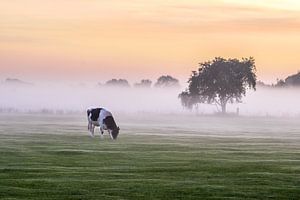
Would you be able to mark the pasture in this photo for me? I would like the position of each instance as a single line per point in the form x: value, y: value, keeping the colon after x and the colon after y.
x: 171, y: 157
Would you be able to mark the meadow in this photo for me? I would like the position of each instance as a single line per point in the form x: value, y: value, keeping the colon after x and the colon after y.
x: 155, y: 157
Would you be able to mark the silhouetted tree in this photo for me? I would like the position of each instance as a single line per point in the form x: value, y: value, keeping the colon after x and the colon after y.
x: 188, y: 101
x: 293, y: 80
x: 145, y: 83
x: 166, y: 81
x: 117, y: 82
x: 16, y: 82
x: 280, y: 83
x: 219, y: 82
x: 262, y: 84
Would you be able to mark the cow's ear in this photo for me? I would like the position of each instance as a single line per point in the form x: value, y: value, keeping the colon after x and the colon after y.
x: 118, y: 128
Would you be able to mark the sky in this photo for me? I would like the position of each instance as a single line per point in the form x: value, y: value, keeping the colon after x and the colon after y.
x: 96, y: 40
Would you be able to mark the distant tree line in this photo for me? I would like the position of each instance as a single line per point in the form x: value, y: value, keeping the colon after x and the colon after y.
x: 290, y: 81
x: 117, y: 82
x: 165, y: 81
x: 16, y: 82
x: 145, y: 83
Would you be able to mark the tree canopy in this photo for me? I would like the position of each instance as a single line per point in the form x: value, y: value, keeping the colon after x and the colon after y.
x: 219, y: 82
x: 292, y: 80
x: 145, y: 83
x: 166, y: 81
x: 117, y: 82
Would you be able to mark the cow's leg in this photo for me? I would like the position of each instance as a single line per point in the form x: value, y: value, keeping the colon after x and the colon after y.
x: 111, y: 137
x: 89, y: 122
x: 92, y: 130
x: 101, y: 132
x: 89, y: 126
x: 101, y: 126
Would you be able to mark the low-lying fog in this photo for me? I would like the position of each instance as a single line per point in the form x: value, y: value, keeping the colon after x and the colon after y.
x: 77, y: 98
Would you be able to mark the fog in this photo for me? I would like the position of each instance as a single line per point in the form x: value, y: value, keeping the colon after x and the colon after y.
x: 76, y: 97
x: 62, y: 98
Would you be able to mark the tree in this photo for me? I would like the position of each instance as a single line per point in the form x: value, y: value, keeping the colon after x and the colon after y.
x: 280, y: 83
x: 188, y: 101
x: 293, y: 80
x: 262, y: 84
x: 145, y: 83
x: 290, y: 81
x: 219, y: 82
x: 16, y: 82
x: 117, y: 82
x: 166, y: 81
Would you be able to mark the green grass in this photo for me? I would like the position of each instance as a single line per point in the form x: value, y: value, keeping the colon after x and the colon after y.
x: 51, y: 157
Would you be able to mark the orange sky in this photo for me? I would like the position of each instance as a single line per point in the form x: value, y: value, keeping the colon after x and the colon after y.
x: 134, y: 39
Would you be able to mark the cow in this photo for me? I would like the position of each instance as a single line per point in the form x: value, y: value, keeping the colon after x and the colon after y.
x: 103, y: 118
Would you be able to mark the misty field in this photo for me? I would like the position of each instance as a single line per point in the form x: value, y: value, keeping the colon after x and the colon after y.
x: 167, y: 157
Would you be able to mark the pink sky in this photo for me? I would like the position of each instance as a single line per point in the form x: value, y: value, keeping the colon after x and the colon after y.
x: 97, y: 40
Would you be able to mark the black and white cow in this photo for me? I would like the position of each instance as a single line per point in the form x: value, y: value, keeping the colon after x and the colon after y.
x: 104, y: 119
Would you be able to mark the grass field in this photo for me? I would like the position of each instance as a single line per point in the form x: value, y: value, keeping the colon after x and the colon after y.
x: 53, y: 157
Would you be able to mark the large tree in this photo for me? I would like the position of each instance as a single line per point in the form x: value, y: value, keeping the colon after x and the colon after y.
x: 220, y: 81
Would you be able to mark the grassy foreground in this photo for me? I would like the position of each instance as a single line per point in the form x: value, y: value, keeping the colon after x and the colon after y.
x: 50, y: 157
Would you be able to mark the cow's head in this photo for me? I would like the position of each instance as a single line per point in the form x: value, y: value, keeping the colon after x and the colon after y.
x: 115, y: 133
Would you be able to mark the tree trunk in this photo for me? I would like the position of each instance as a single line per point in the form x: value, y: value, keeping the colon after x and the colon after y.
x: 197, y: 109
x: 223, y: 108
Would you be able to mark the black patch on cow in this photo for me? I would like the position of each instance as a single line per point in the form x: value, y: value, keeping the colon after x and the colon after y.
x: 95, y: 112
x: 110, y: 123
